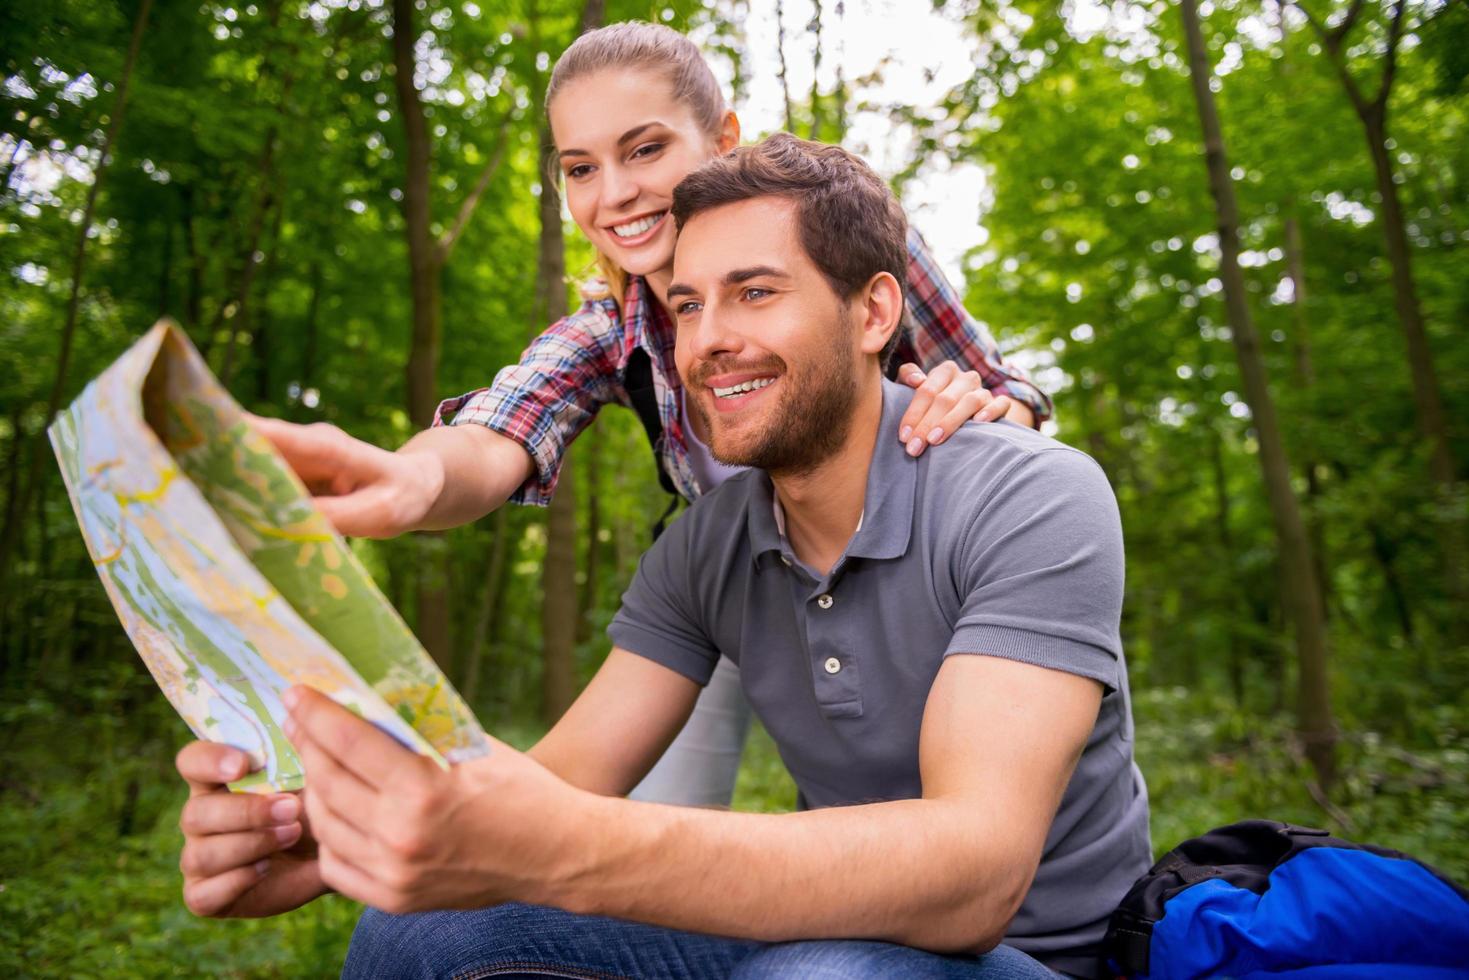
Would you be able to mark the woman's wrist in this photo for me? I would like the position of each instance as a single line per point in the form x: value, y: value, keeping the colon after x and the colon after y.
x: 1021, y: 414
x: 463, y: 472
x: 425, y: 479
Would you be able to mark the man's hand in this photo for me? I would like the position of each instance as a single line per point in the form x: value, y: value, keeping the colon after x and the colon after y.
x: 244, y: 855
x: 945, y: 399
x: 401, y: 834
x: 366, y: 492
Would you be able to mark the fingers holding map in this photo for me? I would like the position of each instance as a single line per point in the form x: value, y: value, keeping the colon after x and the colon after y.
x: 229, y: 582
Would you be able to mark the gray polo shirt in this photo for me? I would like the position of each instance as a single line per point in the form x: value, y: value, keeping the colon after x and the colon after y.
x: 1000, y: 542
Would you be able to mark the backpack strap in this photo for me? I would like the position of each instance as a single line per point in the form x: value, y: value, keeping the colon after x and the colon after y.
x: 637, y: 381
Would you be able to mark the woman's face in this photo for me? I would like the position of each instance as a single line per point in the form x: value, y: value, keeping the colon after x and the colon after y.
x: 623, y: 143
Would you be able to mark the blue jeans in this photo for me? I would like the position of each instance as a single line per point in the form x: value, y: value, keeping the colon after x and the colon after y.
x: 530, y: 941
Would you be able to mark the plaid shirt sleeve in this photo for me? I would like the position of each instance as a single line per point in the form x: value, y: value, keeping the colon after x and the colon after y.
x: 546, y: 400
x: 942, y: 329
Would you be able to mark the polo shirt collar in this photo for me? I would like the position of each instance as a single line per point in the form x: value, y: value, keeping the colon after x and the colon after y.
x: 892, y: 481
x: 887, y: 509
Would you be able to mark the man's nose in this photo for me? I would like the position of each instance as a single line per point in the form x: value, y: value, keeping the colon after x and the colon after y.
x: 714, y: 333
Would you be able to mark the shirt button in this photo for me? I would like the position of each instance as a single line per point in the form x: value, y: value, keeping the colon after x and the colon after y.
x: 832, y: 665
x: 825, y: 603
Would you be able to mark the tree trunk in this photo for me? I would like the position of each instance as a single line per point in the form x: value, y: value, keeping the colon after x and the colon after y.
x: 817, y: 110
x: 1427, y: 397
x: 559, y: 605
x: 1305, y: 371
x: 489, y: 603
x: 780, y: 48
x: 236, y: 313
x: 1222, y: 523
x: 1427, y: 394
x: 311, y: 328
x: 268, y: 196
x: 263, y: 335
x: 595, y: 549
x: 1300, y: 588
x: 592, y: 15
x: 12, y: 500
x: 558, y: 602
x: 11, y: 530
x: 839, y: 97
x: 1385, y: 552
x: 194, y: 302
x: 165, y: 271
x: 558, y: 579
x: 423, y: 355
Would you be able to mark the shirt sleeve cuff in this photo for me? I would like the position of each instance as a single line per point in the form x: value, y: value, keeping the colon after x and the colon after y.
x: 1039, y: 649
x: 533, y: 432
x: 651, y: 644
x: 1029, y: 395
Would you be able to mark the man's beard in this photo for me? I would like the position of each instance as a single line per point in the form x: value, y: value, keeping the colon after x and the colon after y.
x: 809, y: 424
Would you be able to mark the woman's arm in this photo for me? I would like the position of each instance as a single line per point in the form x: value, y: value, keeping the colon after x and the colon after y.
x: 506, y: 443
x: 944, y: 330
x: 441, y: 478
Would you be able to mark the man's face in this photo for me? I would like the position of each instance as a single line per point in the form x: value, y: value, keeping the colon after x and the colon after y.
x: 767, y: 351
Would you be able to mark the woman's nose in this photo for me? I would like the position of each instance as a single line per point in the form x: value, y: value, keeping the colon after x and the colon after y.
x: 618, y: 188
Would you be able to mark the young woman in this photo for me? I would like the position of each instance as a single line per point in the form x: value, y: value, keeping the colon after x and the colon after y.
x: 634, y: 108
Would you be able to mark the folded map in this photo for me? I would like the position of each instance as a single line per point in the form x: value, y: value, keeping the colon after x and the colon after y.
x: 229, y: 582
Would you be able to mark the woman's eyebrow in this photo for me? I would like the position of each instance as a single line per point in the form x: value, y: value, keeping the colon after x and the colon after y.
x: 637, y: 131
x: 622, y: 140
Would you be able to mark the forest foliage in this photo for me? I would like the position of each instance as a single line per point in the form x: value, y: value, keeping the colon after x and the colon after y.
x: 246, y: 170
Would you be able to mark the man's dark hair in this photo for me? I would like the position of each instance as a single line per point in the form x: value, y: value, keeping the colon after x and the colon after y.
x: 850, y: 223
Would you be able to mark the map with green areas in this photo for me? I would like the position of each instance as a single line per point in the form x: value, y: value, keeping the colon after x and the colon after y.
x: 229, y: 582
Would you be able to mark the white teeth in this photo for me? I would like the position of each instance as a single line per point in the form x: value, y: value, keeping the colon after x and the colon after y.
x: 742, y: 388
x: 634, y: 228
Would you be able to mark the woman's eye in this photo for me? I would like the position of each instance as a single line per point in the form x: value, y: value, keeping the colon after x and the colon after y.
x: 647, y: 149
x: 578, y: 171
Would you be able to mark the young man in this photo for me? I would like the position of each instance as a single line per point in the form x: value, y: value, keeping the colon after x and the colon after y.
x: 932, y: 643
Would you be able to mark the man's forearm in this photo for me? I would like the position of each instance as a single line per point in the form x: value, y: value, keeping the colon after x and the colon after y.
x: 924, y: 873
x: 475, y: 471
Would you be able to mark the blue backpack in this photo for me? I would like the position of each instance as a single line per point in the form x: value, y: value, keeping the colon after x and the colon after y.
x: 1266, y: 899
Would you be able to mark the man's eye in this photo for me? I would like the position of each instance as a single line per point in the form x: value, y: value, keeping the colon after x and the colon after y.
x: 690, y: 306
x: 756, y: 292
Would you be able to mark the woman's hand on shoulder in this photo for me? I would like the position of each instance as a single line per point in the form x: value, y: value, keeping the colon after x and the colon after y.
x: 946, y: 398
x: 365, y: 491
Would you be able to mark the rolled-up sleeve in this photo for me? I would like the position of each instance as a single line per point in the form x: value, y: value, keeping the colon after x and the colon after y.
x: 942, y: 329
x: 544, y: 401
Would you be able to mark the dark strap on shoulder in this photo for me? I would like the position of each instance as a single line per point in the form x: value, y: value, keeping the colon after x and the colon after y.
x: 637, y: 380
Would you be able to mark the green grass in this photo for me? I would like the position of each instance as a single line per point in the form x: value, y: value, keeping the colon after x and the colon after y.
x: 89, y: 883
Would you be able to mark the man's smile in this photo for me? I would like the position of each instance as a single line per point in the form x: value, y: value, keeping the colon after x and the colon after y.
x: 735, y: 391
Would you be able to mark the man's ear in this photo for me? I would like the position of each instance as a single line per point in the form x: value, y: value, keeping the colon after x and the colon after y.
x: 880, y: 309
x: 729, y: 132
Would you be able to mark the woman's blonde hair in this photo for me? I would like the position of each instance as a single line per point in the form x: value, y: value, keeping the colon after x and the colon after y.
x: 637, y: 44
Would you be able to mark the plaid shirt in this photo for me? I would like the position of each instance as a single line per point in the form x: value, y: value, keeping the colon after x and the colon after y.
x: 576, y: 367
